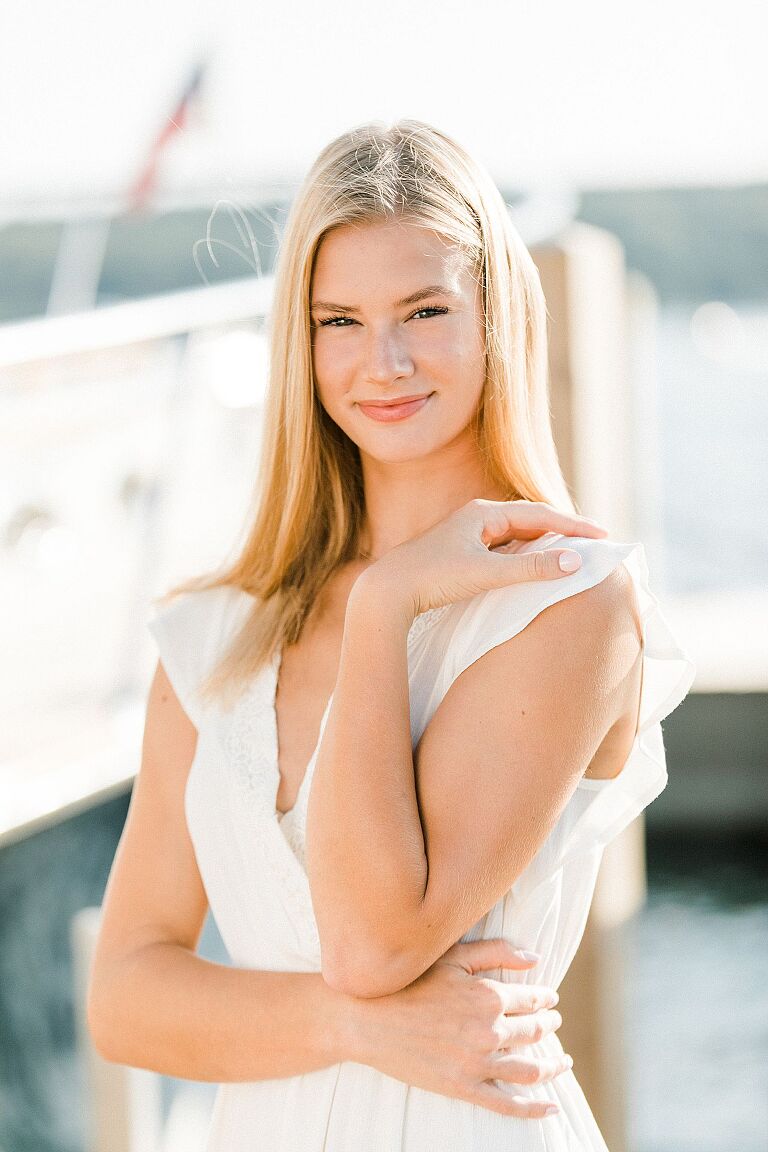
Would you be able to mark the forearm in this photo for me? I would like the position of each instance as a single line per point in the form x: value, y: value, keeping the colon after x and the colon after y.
x: 168, y: 1010
x: 365, y: 844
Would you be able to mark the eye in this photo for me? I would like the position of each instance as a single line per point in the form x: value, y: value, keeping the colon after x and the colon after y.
x: 434, y: 311
x: 332, y: 321
x: 335, y: 321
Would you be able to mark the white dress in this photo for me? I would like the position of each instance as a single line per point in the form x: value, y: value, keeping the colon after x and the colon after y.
x: 253, y: 870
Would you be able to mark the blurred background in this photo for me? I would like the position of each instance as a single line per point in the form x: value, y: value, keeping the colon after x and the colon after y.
x: 150, y: 154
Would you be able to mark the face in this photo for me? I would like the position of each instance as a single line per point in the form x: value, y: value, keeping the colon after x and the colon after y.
x: 396, y: 313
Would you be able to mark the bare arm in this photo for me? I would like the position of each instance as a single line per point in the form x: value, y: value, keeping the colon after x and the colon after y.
x: 153, y: 1003
x: 407, y: 851
x: 165, y: 1009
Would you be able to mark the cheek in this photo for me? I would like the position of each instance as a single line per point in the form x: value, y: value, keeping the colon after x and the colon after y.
x: 462, y: 357
x: 471, y: 338
x: 332, y: 359
x: 333, y: 383
x: 462, y: 340
x: 326, y: 369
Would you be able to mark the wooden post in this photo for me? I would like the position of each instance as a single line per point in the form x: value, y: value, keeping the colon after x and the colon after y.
x: 585, y: 284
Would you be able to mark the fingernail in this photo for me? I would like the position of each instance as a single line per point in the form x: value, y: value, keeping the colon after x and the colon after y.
x: 528, y: 955
x: 551, y: 1109
x: 569, y: 561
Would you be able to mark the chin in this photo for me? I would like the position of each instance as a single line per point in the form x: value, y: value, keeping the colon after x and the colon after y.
x: 401, y: 451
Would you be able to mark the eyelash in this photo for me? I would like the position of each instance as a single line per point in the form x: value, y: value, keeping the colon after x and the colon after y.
x: 331, y: 321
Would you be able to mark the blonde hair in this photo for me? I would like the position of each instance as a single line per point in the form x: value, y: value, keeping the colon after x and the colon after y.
x: 309, y: 498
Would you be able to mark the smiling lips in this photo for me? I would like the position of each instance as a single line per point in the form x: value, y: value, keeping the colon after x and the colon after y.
x: 386, y: 411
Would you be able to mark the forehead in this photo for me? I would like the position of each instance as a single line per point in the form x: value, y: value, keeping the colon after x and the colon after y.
x: 384, y: 254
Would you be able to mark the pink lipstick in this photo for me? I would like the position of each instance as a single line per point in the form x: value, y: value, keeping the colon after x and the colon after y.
x: 388, y: 412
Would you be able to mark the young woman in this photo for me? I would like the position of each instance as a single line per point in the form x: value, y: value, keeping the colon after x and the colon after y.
x: 389, y: 742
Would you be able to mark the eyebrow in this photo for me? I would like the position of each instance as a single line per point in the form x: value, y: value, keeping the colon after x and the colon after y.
x: 414, y: 298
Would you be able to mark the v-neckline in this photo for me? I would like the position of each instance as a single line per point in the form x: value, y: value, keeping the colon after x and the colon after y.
x: 418, y: 626
x: 277, y: 660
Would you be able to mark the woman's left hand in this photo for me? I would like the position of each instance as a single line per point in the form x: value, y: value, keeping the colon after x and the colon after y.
x: 474, y: 549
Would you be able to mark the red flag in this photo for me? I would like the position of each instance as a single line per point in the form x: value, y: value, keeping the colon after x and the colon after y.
x: 176, y: 122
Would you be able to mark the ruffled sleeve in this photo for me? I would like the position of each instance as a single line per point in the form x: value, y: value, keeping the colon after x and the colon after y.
x: 190, y: 632
x: 668, y: 673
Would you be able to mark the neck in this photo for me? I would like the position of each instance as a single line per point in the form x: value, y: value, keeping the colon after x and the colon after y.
x: 403, y: 501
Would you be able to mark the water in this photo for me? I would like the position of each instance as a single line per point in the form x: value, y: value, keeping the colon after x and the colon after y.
x: 698, y: 1013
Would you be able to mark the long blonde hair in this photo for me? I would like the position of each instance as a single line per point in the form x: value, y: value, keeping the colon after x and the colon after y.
x: 309, y: 498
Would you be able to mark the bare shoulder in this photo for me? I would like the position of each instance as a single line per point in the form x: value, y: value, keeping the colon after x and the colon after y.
x: 512, y: 737
x: 596, y: 639
x: 609, y: 603
x: 583, y: 654
x: 587, y: 639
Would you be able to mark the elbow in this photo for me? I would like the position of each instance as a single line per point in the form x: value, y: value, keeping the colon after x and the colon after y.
x: 352, y: 983
x: 369, y: 976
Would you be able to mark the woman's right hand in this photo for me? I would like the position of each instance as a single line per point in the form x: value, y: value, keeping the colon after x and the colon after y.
x: 455, y: 1031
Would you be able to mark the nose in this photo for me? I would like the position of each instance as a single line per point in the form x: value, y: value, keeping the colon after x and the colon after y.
x: 387, y: 358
